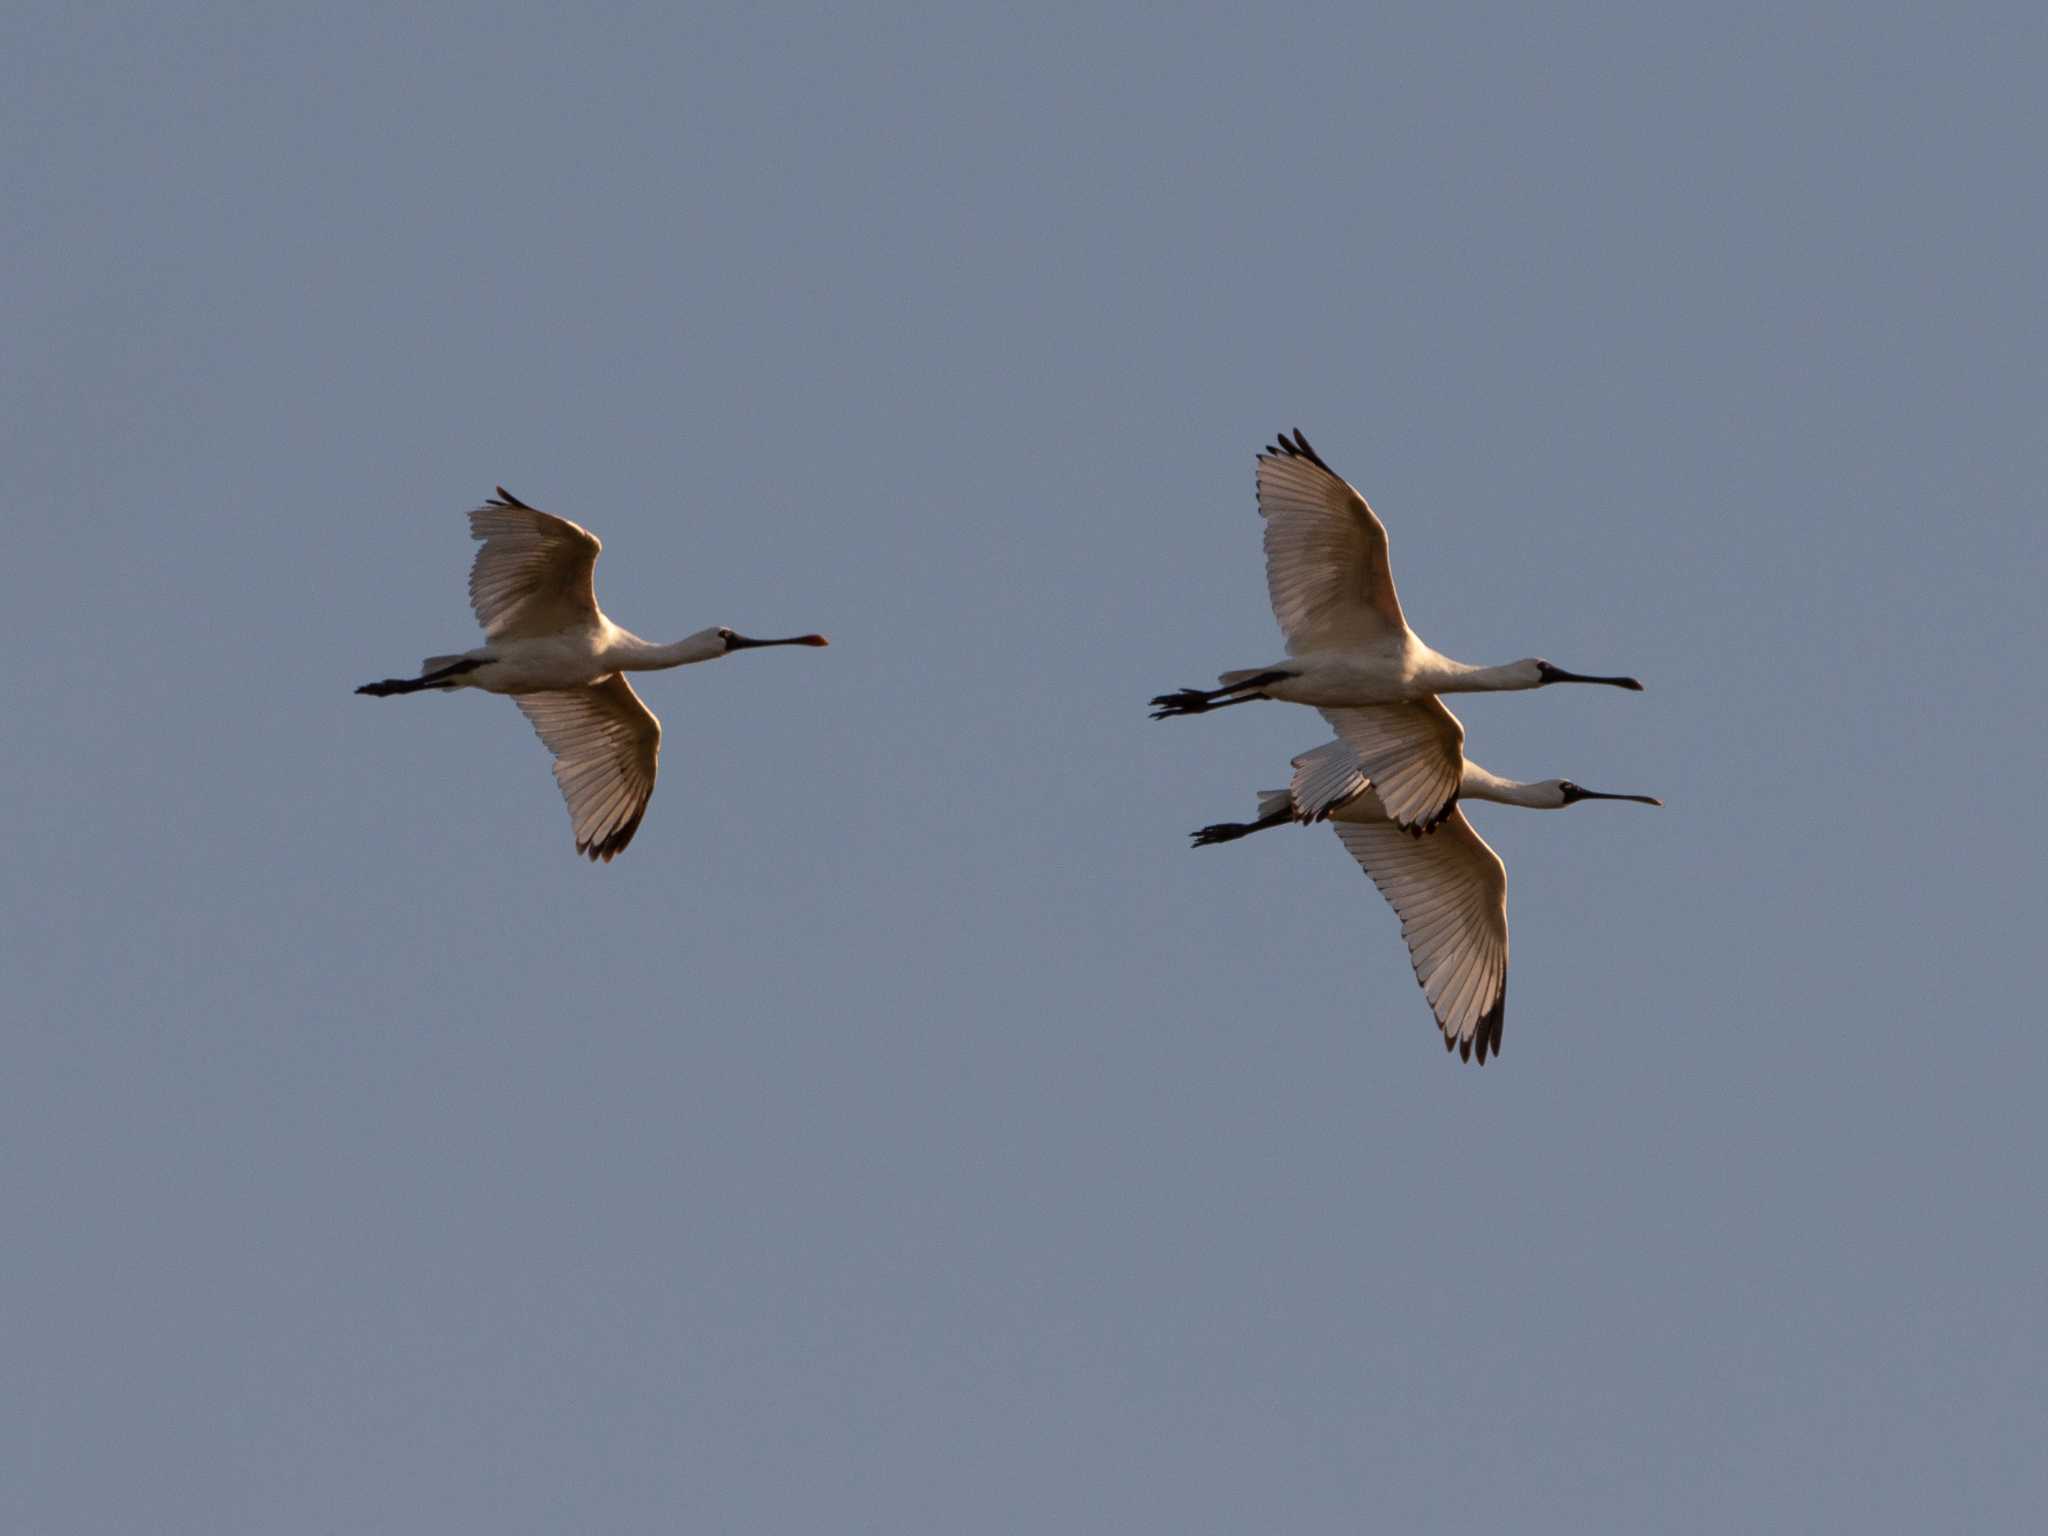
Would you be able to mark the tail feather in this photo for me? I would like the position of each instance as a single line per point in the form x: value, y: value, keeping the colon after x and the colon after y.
x: 1274, y: 801
x: 436, y: 663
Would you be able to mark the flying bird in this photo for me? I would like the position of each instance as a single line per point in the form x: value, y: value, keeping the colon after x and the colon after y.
x: 1350, y: 652
x: 551, y: 648
x: 1449, y: 888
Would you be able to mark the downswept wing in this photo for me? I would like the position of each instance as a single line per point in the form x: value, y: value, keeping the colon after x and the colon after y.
x: 533, y: 575
x: 1414, y: 753
x: 607, y: 747
x: 1326, y: 554
x: 1450, y: 891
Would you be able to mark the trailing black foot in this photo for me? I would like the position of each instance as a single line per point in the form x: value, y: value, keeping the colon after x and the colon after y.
x: 1192, y: 701
x: 1231, y: 831
x: 1199, y: 701
x: 1189, y: 701
x: 392, y: 685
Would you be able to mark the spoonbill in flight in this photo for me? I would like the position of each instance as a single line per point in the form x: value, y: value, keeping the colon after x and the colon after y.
x: 1350, y: 651
x: 1449, y: 888
x: 549, y: 646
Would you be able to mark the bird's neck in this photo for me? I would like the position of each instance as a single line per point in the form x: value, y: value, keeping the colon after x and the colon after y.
x: 1476, y: 783
x: 1443, y: 675
x: 629, y: 653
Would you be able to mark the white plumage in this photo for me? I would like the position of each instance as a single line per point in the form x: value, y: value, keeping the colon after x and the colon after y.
x: 1450, y: 891
x: 607, y: 747
x: 1449, y: 888
x: 1350, y: 652
x: 553, y: 651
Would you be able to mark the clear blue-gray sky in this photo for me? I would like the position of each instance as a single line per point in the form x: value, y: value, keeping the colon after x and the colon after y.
x: 910, y: 1133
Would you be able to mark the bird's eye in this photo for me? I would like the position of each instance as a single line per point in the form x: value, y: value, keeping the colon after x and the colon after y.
x: 725, y: 634
x: 1568, y: 786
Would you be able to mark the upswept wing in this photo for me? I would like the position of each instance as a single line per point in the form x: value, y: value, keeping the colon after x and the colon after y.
x: 1324, y: 780
x: 1450, y: 891
x: 607, y: 747
x: 533, y: 575
x: 1326, y: 554
x: 1414, y: 753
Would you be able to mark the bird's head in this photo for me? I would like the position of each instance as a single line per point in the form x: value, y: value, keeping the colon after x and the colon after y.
x: 1559, y: 793
x: 1542, y: 674
x: 723, y: 642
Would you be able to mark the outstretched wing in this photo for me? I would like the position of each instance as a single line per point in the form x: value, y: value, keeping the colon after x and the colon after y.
x: 1451, y: 893
x: 1414, y: 753
x: 533, y: 575
x: 607, y: 747
x: 1326, y: 554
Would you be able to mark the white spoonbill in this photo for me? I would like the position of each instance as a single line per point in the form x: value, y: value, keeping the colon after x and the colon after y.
x: 564, y: 664
x: 1449, y: 889
x: 1350, y: 651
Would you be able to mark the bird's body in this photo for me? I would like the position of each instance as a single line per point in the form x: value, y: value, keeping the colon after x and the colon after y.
x: 551, y: 649
x: 573, y: 658
x: 1350, y: 652
x: 1448, y: 887
x: 1398, y: 669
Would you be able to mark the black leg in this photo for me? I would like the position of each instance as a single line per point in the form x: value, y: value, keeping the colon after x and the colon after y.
x: 392, y: 685
x: 1231, y: 831
x: 1199, y: 701
x: 1191, y: 702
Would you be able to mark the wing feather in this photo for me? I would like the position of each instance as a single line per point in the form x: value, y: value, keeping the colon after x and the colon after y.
x: 533, y: 575
x: 607, y: 747
x: 1413, y: 753
x: 1326, y: 554
x: 1450, y: 891
x: 1324, y: 780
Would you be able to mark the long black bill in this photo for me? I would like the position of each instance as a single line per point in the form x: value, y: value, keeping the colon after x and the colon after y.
x: 1559, y: 675
x: 742, y: 643
x: 1594, y: 794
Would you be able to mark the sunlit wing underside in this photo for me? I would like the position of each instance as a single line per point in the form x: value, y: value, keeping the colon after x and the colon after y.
x: 1450, y: 891
x: 533, y: 575
x: 1414, y: 754
x: 1326, y: 555
x: 607, y: 747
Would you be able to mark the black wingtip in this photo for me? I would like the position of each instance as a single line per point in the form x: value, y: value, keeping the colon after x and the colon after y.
x: 1297, y: 448
x: 1490, y: 1025
x: 1419, y: 829
x: 507, y: 499
x: 610, y: 847
x: 1484, y: 1040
